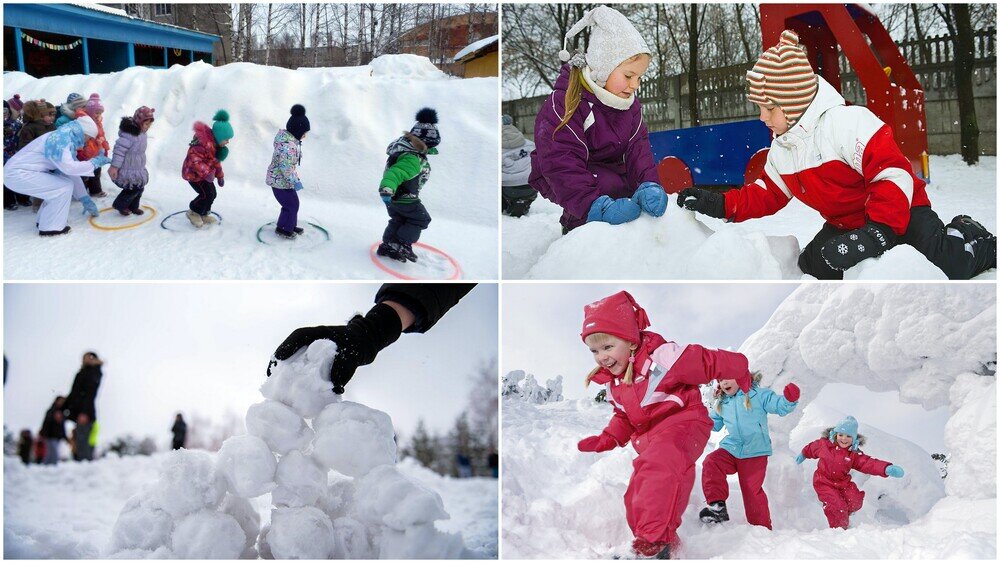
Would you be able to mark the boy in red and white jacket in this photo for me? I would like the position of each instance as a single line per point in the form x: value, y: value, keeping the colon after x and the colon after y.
x: 653, y: 386
x: 843, y: 162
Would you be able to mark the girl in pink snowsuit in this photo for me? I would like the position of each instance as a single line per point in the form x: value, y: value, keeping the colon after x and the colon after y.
x: 838, y: 453
x: 653, y: 386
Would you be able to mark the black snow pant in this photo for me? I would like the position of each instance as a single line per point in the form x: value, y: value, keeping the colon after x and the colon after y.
x: 202, y: 204
x: 925, y: 232
x: 128, y: 199
x: 93, y: 183
x: 406, y: 220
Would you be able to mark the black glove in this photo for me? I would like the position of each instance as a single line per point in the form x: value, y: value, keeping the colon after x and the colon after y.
x: 357, y: 342
x: 845, y: 251
x: 703, y: 201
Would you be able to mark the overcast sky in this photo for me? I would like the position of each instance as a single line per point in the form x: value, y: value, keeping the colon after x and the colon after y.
x: 204, y: 348
x: 542, y: 323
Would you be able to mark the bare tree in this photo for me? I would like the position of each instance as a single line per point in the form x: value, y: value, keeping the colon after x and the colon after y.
x: 959, y: 21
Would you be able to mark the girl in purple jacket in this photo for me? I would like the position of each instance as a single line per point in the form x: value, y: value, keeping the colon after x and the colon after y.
x: 592, y: 153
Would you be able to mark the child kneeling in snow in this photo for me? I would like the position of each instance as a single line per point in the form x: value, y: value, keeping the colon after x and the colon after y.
x: 843, y: 162
x: 653, y: 386
x: 128, y: 161
x: 838, y: 453
x: 283, y: 175
x: 406, y: 172
x: 593, y: 158
x: 203, y: 165
x: 745, y: 450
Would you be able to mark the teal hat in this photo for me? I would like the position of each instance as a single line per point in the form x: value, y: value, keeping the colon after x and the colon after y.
x: 221, y: 129
x: 848, y: 427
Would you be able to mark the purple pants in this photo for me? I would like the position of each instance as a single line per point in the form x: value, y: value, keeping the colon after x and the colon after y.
x: 289, y: 216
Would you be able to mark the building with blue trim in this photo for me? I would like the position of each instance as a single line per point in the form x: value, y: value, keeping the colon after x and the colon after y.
x: 55, y: 39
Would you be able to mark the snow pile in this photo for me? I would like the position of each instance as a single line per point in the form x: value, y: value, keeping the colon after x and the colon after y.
x: 518, y: 384
x: 683, y: 245
x: 329, y: 466
x: 354, y: 112
x: 935, y: 344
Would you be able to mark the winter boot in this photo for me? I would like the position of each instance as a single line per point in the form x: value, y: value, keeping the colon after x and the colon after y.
x: 125, y: 212
x: 54, y: 233
x: 390, y: 250
x: 407, y: 251
x: 36, y: 204
x: 290, y: 235
x: 714, y: 513
x: 298, y: 230
x: 208, y: 219
x: 137, y: 211
x: 982, y: 243
x: 651, y: 550
x: 195, y: 219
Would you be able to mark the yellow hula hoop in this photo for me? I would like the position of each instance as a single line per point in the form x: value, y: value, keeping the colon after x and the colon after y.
x: 152, y: 214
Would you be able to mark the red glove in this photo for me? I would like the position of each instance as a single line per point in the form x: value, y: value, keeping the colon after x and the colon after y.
x: 600, y: 443
x: 792, y: 392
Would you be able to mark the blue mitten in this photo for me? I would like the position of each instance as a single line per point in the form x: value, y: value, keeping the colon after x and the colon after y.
x: 89, y: 207
x: 800, y: 459
x: 298, y: 185
x: 613, y: 211
x: 894, y: 471
x: 386, y: 195
x: 100, y: 160
x: 651, y: 198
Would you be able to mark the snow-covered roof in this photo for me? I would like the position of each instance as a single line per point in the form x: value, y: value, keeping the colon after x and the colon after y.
x: 100, y: 8
x: 472, y: 48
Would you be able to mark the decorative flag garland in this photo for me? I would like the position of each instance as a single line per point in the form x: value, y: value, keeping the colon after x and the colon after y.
x: 50, y: 46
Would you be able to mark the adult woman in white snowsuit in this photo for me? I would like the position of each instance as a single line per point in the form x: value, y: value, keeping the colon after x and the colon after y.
x: 47, y: 169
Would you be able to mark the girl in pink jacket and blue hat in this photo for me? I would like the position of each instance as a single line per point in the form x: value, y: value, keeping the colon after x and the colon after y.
x: 592, y: 154
x: 652, y: 384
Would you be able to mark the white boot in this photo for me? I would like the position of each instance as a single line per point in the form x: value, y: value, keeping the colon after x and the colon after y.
x: 208, y: 219
x: 195, y: 219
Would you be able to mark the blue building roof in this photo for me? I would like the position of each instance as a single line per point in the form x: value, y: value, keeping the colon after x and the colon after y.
x: 110, y: 25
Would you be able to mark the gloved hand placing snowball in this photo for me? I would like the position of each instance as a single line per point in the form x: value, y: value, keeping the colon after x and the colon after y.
x: 358, y: 342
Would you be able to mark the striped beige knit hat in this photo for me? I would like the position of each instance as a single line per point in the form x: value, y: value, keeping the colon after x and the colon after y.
x: 783, y: 77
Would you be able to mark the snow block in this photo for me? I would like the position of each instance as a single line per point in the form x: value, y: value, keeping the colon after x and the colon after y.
x: 208, y: 535
x: 387, y: 497
x: 300, y: 481
x: 281, y: 428
x: 302, y: 382
x: 141, y: 526
x: 248, y: 519
x: 421, y: 542
x: 188, y: 483
x: 301, y: 533
x: 247, y: 465
x: 353, y: 439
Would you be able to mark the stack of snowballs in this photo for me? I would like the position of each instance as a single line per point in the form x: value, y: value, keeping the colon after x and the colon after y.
x: 329, y: 466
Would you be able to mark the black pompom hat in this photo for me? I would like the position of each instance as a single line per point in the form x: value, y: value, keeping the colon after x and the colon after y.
x: 298, y: 123
x: 426, y: 127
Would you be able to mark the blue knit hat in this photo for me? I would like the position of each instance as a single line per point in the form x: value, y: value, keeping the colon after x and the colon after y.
x: 848, y: 427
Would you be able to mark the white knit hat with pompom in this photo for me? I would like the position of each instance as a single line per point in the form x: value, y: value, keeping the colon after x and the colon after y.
x: 613, y: 40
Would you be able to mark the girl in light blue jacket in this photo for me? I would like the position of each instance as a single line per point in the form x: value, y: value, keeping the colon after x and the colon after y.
x: 745, y: 450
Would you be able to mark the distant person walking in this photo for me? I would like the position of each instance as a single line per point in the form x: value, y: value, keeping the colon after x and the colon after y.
x: 53, y: 431
x: 464, y: 466
x: 80, y: 405
x: 180, y: 429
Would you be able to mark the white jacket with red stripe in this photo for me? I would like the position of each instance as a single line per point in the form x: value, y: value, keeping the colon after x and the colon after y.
x: 840, y: 160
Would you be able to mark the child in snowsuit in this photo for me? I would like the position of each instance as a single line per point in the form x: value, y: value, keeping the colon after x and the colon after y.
x: 48, y: 169
x: 406, y: 172
x: 838, y: 453
x: 67, y: 111
x: 39, y: 119
x: 653, y: 386
x: 283, y: 175
x: 203, y: 165
x: 843, y: 162
x: 745, y: 450
x: 94, y: 145
x: 592, y: 154
x: 11, y: 130
x: 515, y: 167
x: 128, y: 161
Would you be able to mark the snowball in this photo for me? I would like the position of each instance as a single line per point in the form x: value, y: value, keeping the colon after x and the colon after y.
x: 421, y: 542
x: 279, y: 426
x: 971, y: 436
x: 302, y: 382
x: 338, y: 496
x: 248, y: 519
x: 247, y: 465
x: 300, y: 481
x: 352, y: 438
x: 208, y: 535
x: 188, y: 483
x: 385, y: 496
x: 354, y: 539
x: 142, y: 526
x: 301, y: 533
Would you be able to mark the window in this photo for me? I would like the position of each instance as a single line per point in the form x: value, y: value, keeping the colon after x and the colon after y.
x: 161, y: 9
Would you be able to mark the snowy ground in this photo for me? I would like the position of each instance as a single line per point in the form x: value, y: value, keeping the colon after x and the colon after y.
x: 354, y: 113
x: 930, y: 343
x: 680, y: 245
x: 68, y: 511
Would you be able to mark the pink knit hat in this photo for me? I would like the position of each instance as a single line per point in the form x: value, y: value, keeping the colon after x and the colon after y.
x: 618, y: 315
x: 93, y: 106
x: 783, y: 77
x: 143, y: 114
